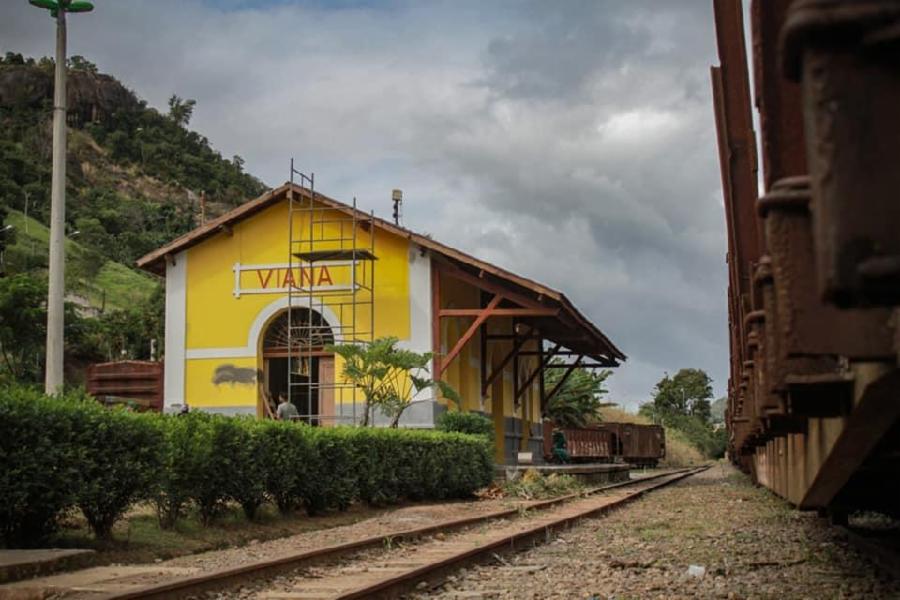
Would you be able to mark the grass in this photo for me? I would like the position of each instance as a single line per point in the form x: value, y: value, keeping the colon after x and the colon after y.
x: 654, y: 530
x: 532, y: 485
x: 123, y: 286
x: 112, y: 286
x: 679, y: 451
x: 139, y: 539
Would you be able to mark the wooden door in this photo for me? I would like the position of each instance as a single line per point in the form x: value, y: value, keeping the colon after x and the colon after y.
x: 326, y: 390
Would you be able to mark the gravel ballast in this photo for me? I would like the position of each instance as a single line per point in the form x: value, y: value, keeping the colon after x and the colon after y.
x: 713, y: 535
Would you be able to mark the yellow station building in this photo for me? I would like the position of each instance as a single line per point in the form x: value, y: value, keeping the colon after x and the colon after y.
x: 232, y: 345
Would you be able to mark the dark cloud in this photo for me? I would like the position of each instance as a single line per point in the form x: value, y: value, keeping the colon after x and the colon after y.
x: 570, y: 141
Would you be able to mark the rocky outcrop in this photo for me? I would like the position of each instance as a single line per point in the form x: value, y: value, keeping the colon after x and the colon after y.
x: 90, y: 96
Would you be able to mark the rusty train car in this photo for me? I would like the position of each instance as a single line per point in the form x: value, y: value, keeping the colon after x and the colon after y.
x: 640, y: 445
x: 813, y: 247
x: 135, y: 382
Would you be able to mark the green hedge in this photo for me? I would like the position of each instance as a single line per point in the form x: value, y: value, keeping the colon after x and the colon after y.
x: 38, y: 474
x: 61, y: 453
x: 466, y: 422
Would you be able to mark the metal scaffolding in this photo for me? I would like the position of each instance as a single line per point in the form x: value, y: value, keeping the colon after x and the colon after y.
x: 331, y: 300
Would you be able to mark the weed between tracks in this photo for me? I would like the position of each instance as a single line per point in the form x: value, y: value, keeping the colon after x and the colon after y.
x: 534, y: 486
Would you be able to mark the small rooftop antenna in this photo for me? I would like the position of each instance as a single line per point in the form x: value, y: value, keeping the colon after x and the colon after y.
x: 397, y: 197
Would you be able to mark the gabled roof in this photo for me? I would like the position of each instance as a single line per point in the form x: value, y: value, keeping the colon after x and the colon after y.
x: 594, y: 344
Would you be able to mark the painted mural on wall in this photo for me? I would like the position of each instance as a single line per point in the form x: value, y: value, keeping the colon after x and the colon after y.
x: 233, y: 375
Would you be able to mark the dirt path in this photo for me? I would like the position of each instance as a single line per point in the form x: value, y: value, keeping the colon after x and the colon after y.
x: 749, y: 544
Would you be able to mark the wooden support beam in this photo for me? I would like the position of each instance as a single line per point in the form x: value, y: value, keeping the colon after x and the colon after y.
x: 482, y: 283
x: 559, y: 384
x: 515, y: 368
x: 482, y: 372
x: 499, y: 312
x: 542, y: 391
x: 542, y: 364
x: 496, y: 372
x: 436, y: 324
x: 482, y: 316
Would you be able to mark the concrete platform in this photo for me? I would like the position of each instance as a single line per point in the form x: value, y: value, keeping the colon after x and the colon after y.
x: 591, y: 473
x: 22, y: 564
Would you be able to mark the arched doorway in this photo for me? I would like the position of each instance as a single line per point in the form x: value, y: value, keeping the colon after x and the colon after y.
x: 297, y: 365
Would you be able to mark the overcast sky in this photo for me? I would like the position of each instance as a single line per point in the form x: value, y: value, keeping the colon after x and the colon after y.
x: 571, y: 142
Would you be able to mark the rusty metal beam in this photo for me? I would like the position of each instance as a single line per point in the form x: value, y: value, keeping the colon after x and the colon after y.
x: 876, y: 411
x: 778, y: 99
x: 542, y: 364
x: 482, y: 315
x: 738, y: 155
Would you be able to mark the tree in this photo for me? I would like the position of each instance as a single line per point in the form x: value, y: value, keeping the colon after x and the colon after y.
x: 579, y: 400
x: 7, y: 238
x: 12, y: 58
x: 23, y: 317
x: 682, y: 402
x: 181, y: 110
x: 688, y: 393
x: 717, y: 410
x: 388, y: 376
x: 80, y: 63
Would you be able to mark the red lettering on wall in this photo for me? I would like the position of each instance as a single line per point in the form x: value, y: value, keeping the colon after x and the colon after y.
x: 306, y: 276
x: 297, y: 278
x: 264, y: 282
x: 324, y: 276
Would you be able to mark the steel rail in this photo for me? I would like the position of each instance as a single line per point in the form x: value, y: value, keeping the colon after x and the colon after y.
x: 223, y: 578
x: 434, y: 572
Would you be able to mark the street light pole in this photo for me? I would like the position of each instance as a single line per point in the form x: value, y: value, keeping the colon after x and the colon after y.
x: 56, y: 290
x: 53, y: 380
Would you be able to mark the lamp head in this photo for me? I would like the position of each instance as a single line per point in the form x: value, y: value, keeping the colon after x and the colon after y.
x: 54, y: 6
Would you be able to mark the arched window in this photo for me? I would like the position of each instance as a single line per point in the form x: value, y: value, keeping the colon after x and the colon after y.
x: 308, y: 331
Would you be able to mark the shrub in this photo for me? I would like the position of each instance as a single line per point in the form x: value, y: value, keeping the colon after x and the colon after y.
x: 466, y: 422
x: 38, y: 468
x: 58, y: 453
x: 216, y: 459
x: 121, y: 459
x: 183, y: 460
x: 289, y: 454
x: 242, y: 439
x: 333, y: 470
x: 392, y: 464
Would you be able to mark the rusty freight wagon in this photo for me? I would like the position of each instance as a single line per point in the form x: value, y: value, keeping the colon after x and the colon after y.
x: 813, y: 247
x: 641, y: 445
x: 134, y: 382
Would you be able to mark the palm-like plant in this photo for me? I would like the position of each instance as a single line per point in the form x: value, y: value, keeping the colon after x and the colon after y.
x: 579, y: 400
x: 389, y: 377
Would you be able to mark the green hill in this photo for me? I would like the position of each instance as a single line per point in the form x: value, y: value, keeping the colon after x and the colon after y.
x: 100, y: 283
x: 135, y: 179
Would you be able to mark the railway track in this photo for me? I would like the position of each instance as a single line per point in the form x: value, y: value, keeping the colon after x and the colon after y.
x: 388, y: 565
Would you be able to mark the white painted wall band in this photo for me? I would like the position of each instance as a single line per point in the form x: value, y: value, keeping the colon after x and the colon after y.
x: 176, y: 330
